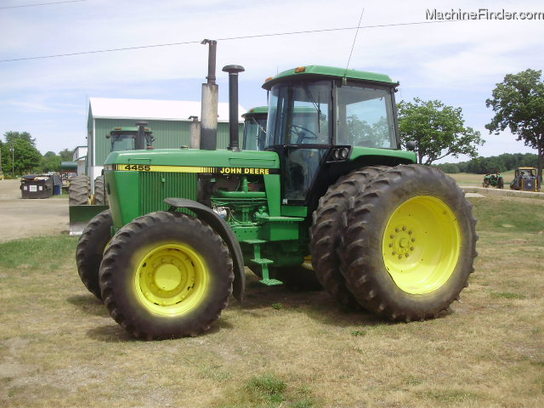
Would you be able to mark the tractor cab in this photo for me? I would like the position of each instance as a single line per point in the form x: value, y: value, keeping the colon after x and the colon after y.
x: 320, y: 119
x: 136, y: 137
x: 255, y: 128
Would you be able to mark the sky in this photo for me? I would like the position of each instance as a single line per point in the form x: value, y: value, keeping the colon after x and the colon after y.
x: 457, y: 62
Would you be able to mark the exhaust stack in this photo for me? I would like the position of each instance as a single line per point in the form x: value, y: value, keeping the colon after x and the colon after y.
x: 233, y: 71
x: 208, y: 126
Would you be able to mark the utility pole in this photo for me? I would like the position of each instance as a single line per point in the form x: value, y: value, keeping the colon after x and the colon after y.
x: 12, y: 148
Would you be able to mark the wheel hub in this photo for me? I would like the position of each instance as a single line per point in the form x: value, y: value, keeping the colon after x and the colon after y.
x: 167, y: 276
x: 402, y: 242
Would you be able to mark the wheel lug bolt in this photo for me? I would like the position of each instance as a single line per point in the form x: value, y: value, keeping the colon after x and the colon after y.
x: 413, y: 240
x: 411, y: 248
x: 391, y: 236
x: 390, y: 245
x: 397, y: 230
x: 406, y: 255
x: 404, y: 228
x: 393, y: 253
x: 400, y: 256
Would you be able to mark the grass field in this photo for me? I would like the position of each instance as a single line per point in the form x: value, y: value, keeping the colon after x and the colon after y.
x: 471, y: 179
x: 60, y: 348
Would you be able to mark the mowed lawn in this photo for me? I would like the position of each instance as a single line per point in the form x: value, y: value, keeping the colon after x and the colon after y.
x: 60, y: 348
x: 471, y: 179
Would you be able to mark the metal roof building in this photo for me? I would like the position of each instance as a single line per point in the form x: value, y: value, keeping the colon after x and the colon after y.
x: 169, y: 121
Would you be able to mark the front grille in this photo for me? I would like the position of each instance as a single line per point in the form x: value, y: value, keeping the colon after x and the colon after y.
x: 156, y: 186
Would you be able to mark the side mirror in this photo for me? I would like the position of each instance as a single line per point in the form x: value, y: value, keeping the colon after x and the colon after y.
x: 411, y: 145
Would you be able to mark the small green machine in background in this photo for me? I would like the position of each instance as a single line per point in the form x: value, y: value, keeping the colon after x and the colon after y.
x: 328, y: 181
x: 83, y: 204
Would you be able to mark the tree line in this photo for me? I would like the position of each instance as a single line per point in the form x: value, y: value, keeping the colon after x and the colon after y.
x: 19, y: 156
x: 484, y: 165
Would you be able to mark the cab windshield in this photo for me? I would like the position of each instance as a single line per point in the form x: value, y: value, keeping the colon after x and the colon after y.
x: 122, y: 142
x: 254, y: 133
x: 302, y: 113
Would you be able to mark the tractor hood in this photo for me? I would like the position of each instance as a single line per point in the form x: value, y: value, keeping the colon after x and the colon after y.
x: 163, y: 159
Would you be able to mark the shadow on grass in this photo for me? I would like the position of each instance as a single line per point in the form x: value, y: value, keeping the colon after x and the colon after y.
x: 89, y: 305
x: 317, y: 305
x: 111, y: 333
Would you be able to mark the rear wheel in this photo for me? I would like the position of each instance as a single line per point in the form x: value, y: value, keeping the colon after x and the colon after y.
x: 410, y: 243
x: 90, y: 250
x: 327, y: 227
x: 78, y: 191
x: 100, y: 197
x: 166, y: 275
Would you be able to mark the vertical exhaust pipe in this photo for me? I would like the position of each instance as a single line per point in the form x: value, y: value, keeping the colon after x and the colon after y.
x: 208, y: 126
x: 233, y: 71
x: 140, y: 142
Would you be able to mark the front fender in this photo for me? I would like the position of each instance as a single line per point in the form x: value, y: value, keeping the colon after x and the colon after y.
x: 223, y: 229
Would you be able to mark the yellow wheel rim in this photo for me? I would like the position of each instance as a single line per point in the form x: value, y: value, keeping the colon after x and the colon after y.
x: 171, y: 279
x: 421, y: 244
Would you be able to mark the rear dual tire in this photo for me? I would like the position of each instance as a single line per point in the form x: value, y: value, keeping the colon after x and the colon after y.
x: 409, y: 244
x: 327, y: 228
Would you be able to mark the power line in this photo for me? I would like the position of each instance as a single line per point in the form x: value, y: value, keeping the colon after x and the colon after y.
x: 42, y: 4
x: 242, y: 37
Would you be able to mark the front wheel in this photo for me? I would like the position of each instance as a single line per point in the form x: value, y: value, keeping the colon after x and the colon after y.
x: 90, y: 250
x: 166, y: 275
x: 410, y: 243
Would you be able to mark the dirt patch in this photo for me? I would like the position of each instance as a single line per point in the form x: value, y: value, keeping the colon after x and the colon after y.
x: 24, y: 218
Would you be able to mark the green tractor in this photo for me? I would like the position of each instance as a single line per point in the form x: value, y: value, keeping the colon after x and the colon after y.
x: 383, y: 233
x: 254, y: 137
x: 493, y: 179
x: 84, y: 205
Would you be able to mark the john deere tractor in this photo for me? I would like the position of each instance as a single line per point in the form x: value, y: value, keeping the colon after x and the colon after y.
x: 84, y: 205
x: 493, y: 179
x: 383, y: 233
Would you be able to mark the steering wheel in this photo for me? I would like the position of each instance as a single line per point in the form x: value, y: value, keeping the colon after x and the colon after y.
x: 300, y: 132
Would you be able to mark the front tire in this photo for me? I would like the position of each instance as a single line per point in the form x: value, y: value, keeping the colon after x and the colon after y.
x: 100, y: 196
x: 90, y: 250
x: 410, y: 243
x: 166, y: 275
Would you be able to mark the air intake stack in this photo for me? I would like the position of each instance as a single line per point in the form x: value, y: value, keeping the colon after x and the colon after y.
x: 233, y: 71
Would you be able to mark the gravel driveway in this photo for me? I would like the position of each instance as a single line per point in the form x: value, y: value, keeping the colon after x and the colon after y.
x: 23, y: 218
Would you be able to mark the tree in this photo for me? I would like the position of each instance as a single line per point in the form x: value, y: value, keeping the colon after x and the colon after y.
x: 518, y: 103
x: 50, y: 162
x: 66, y: 155
x: 22, y: 155
x: 438, y: 130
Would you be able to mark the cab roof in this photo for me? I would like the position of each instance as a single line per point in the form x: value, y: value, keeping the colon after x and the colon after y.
x: 331, y: 72
x: 256, y: 111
